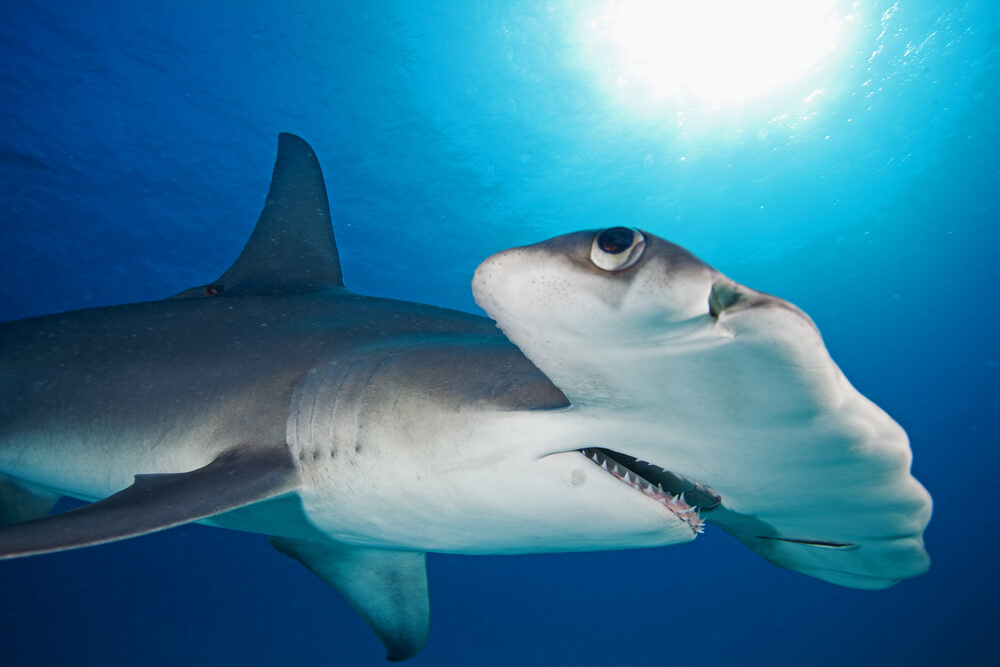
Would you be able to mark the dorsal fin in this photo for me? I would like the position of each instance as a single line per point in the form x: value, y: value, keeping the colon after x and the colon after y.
x: 292, y: 248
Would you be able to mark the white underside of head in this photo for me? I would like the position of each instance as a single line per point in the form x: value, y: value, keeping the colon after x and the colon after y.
x: 669, y: 361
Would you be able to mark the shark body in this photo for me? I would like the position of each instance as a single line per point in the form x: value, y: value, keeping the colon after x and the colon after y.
x: 361, y: 433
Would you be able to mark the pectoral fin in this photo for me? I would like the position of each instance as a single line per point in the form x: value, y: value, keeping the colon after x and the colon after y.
x: 236, y: 478
x: 387, y: 588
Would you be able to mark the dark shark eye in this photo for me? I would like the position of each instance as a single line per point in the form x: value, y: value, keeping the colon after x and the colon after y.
x: 615, y: 240
x: 617, y: 248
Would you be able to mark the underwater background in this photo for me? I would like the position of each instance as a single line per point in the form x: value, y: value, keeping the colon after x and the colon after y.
x: 851, y: 169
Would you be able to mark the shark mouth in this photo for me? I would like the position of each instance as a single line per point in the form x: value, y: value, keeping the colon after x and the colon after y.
x: 685, y: 498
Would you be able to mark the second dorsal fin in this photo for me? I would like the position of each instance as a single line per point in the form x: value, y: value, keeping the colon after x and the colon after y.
x: 292, y: 249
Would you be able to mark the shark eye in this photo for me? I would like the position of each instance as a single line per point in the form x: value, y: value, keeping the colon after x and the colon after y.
x: 617, y: 248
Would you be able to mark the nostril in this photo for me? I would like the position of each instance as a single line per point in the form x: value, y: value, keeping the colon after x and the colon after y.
x: 723, y: 297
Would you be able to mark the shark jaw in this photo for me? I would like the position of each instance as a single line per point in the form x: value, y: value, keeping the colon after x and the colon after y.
x: 684, y: 498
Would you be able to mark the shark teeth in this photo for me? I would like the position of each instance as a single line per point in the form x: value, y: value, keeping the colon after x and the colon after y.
x: 672, y: 501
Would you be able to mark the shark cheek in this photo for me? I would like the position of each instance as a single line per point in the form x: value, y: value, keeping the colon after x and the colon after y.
x: 601, y: 510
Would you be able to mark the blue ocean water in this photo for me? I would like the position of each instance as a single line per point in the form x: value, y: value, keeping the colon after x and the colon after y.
x: 135, y: 153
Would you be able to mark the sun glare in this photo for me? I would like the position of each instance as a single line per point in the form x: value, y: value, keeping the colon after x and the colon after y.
x: 713, y: 53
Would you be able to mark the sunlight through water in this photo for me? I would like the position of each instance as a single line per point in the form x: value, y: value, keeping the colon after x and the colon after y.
x: 712, y: 56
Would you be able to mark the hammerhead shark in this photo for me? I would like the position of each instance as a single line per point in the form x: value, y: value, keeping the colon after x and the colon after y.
x: 623, y: 395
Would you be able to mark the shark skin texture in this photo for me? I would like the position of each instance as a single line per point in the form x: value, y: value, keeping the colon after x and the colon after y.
x: 623, y: 395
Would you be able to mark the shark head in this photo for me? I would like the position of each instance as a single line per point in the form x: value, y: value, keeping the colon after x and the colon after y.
x: 726, y: 394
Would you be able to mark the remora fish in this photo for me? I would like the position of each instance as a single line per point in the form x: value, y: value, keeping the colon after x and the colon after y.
x: 633, y: 394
